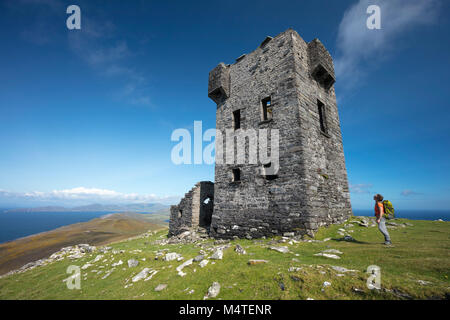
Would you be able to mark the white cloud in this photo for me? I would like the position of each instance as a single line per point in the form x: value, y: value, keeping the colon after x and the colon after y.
x: 408, y: 193
x: 87, y: 195
x: 359, y: 48
x: 360, y: 188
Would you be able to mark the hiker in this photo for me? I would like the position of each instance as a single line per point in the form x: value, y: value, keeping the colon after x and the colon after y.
x: 379, y: 213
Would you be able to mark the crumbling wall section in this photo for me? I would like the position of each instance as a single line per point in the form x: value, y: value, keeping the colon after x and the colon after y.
x: 192, y: 211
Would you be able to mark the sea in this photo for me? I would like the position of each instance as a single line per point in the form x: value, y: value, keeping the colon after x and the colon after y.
x: 14, y: 225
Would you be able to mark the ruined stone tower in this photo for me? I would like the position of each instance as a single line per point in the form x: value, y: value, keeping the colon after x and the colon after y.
x: 285, y: 84
x: 194, y: 210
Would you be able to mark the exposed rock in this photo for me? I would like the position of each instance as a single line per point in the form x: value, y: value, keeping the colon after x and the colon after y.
x: 390, y: 223
x: 253, y: 262
x: 77, y: 255
x: 348, y: 238
x: 327, y: 255
x: 181, y: 267
x: 342, y: 269
x: 357, y: 290
x: 87, y: 265
x: 213, y: 291
x: 160, y: 287
x: 150, y: 275
x: 423, y: 282
x: 120, y: 262
x: 280, y: 249
x: 171, y: 256
x: 332, y: 251
x: 239, y: 249
x: 97, y: 258
x: 133, y: 263
x: 203, y: 263
x: 364, y: 223
x: 199, y: 258
x: 217, y: 255
x: 294, y: 269
x: 141, y: 275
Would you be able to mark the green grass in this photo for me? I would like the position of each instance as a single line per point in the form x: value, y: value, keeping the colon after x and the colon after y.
x: 420, y: 252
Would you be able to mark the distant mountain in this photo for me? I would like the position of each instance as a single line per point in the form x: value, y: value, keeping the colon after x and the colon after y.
x: 134, y: 207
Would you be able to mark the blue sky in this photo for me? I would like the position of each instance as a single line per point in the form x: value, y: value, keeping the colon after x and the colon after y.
x: 87, y: 115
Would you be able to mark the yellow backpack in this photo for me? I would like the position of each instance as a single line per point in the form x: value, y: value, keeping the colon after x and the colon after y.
x: 388, y: 209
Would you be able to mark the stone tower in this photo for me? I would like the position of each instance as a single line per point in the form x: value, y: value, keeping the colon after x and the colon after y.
x: 194, y: 210
x: 285, y: 84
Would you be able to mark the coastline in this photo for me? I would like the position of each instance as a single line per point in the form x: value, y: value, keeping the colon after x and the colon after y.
x: 99, y: 231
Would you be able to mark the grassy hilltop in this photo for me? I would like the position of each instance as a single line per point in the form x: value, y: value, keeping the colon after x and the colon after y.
x: 416, y: 267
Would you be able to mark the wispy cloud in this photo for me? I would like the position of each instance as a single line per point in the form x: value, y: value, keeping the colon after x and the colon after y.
x: 86, y: 195
x: 96, y: 45
x: 408, y: 193
x: 360, y: 49
x: 360, y: 188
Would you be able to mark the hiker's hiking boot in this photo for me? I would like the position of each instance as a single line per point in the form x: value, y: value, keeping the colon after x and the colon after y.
x: 387, y: 243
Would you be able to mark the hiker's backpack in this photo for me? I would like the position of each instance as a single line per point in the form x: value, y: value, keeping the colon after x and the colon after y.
x: 388, y: 209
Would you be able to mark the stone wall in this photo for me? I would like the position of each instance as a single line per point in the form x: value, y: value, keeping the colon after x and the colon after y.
x: 194, y: 210
x: 311, y: 187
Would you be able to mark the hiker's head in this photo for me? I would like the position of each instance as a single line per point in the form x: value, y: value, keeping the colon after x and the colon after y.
x: 378, y: 197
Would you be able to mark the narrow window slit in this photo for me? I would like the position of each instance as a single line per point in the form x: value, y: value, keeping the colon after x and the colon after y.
x: 237, y: 119
x: 322, y: 116
x: 236, y: 174
x: 267, y: 108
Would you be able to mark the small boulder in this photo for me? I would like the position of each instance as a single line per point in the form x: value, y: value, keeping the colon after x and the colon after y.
x: 327, y: 255
x: 199, y: 258
x: 141, y: 275
x: 332, y: 251
x: 171, y: 256
x: 160, y: 287
x: 280, y: 249
x: 217, y: 255
x: 239, y: 249
x: 342, y: 269
x: 253, y: 262
x: 133, y: 263
x: 213, y: 291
